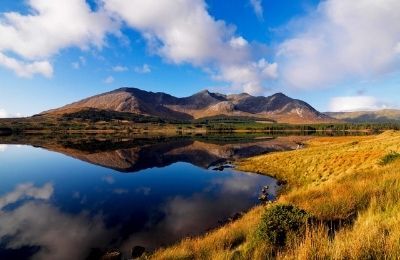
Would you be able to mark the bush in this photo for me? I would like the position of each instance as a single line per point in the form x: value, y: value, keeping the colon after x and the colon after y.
x: 281, y: 220
x: 390, y: 157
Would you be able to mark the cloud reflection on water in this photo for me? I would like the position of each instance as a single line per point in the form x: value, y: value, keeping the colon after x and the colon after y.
x: 38, y: 223
x: 188, y: 216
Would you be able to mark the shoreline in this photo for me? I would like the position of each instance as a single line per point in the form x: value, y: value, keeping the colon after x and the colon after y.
x: 323, y: 179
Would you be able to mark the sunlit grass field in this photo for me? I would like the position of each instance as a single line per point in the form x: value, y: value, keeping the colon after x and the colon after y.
x: 351, y: 183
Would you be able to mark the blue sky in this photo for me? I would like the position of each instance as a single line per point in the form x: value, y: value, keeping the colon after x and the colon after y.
x: 56, y: 52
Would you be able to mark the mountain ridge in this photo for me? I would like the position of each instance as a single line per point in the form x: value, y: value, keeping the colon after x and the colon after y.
x: 376, y: 116
x: 278, y: 106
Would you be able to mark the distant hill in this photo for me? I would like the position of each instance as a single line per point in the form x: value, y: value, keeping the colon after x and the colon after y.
x: 380, y: 116
x: 277, y: 107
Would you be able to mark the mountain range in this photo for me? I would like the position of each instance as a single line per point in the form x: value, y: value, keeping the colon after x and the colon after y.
x: 379, y: 116
x: 277, y: 107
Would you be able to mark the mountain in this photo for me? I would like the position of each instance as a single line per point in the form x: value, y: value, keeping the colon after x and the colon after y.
x: 380, y: 116
x: 278, y: 107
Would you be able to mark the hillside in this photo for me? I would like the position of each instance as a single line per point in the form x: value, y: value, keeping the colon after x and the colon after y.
x: 278, y: 107
x: 380, y: 116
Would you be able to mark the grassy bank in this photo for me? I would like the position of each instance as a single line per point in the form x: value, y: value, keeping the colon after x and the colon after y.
x: 351, y: 187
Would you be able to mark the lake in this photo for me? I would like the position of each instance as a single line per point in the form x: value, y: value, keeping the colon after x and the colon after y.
x: 65, y: 199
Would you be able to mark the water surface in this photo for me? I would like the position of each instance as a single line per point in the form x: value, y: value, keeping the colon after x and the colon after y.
x: 61, y: 200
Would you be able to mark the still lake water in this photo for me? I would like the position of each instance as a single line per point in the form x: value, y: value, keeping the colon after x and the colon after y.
x: 59, y: 201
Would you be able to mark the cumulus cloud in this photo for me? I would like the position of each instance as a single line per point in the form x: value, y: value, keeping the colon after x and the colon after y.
x: 26, y: 69
x: 178, y: 31
x: 144, y: 69
x: 184, y: 32
x: 248, y: 76
x: 48, y: 27
x: 341, y: 40
x: 355, y: 103
x: 257, y: 7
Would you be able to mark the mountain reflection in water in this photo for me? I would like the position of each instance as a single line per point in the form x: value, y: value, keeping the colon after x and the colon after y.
x: 144, y: 153
x: 56, y: 207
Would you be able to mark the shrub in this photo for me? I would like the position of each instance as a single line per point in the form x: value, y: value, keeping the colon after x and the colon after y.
x: 281, y: 220
x: 390, y: 157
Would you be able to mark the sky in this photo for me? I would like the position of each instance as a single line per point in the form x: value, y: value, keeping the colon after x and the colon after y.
x: 337, y: 55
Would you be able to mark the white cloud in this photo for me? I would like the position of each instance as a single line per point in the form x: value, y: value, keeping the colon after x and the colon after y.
x: 355, y: 103
x: 257, y: 7
x: 247, y: 77
x: 179, y: 31
x: 238, y: 42
x: 49, y: 27
x: 184, y: 32
x: 109, y: 80
x: 3, y: 147
x: 342, y: 40
x: 3, y: 113
x: 144, y: 69
x: 119, y: 68
x: 26, y: 69
x: 268, y: 70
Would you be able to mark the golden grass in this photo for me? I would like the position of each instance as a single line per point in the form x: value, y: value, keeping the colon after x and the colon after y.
x: 333, y: 178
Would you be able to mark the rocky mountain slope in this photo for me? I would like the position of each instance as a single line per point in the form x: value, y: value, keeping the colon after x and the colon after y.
x: 277, y: 107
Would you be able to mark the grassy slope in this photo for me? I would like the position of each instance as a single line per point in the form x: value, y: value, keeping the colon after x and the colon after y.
x: 333, y: 178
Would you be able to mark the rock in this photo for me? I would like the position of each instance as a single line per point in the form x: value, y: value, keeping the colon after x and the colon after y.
x: 219, y: 168
x: 280, y: 183
x: 137, y: 251
x: 234, y: 217
x: 112, y: 255
x: 263, y: 197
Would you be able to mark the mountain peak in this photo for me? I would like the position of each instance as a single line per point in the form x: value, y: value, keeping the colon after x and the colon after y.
x: 279, y: 94
x: 204, y: 92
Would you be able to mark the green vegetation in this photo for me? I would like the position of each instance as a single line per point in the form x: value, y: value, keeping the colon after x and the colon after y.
x: 389, y: 158
x: 95, y: 115
x: 231, y: 120
x: 280, y: 221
